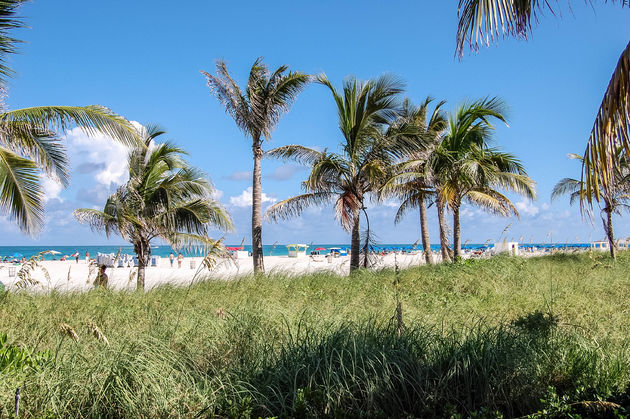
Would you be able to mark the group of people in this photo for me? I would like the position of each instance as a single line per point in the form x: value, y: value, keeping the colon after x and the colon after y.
x: 102, y: 278
x: 180, y: 259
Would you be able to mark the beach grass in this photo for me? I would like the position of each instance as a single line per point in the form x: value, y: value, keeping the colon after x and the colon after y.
x: 503, y: 336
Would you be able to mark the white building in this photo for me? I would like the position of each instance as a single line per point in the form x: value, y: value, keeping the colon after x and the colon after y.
x: 297, y: 250
x: 506, y: 247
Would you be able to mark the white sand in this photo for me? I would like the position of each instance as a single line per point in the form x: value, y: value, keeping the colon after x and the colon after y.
x: 71, y: 276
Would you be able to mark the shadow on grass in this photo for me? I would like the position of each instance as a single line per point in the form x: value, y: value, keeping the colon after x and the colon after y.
x: 368, y: 370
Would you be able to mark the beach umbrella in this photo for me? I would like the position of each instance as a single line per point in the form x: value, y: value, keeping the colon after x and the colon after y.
x: 54, y: 252
x: 17, y: 255
x: 321, y: 248
x: 75, y: 254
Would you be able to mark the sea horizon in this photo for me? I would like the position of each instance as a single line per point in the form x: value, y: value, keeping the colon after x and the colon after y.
x: 268, y: 250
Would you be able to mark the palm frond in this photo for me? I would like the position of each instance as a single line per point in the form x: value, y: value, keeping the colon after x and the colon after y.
x: 20, y: 191
x: 40, y: 145
x: 294, y: 206
x: 482, y: 22
x: 97, y: 220
x: 611, y: 130
x: 91, y: 119
x: 303, y: 155
x: 8, y: 45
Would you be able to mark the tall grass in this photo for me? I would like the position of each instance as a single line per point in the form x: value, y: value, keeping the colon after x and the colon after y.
x: 503, y: 336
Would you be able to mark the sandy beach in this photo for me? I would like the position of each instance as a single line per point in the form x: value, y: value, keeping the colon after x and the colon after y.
x: 69, y: 276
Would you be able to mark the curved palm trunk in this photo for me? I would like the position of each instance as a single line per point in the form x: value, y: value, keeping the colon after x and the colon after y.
x: 446, y: 256
x: 366, y: 246
x: 457, y: 236
x: 355, y: 243
x: 424, y: 231
x: 143, y: 251
x: 610, y: 234
x: 257, y: 249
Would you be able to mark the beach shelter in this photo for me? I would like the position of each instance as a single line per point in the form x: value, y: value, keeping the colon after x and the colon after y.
x: 602, y: 246
x: 297, y: 250
x: 237, y: 252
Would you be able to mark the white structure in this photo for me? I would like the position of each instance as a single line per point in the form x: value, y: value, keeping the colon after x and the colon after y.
x: 297, y: 250
x: 240, y: 254
x: 602, y: 246
x: 502, y: 247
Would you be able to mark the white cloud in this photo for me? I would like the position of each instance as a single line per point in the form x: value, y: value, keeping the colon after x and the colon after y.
x: 240, y: 175
x: 284, y: 172
x: 245, y: 198
x: 100, y: 156
x: 217, y: 194
x: 51, y: 189
x: 527, y: 208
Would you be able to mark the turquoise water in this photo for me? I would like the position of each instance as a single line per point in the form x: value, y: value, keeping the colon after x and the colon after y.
x: 278, y: 250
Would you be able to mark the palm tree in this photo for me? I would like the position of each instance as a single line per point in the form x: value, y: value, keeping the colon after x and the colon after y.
x: 30, y: 142
x: 615, y: 195
x: 364, y: 109
x: 164, y: 197
x: 468, y: 169
x: 483, y: 22
x: 256, y: 112
x: 411, y: 181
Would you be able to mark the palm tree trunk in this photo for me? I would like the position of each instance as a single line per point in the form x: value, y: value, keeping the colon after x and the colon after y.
x: 446, y: 257
x: 424, y: 232
x: 143, y: 251
x: 355, y: 243
x: 457, y: 236
x: 610, y: 234
x: 257, y: 249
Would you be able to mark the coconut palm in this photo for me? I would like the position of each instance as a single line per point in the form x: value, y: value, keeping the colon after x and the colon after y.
x: 468, y: 169
x: 256, y: 112
x: 30, y: 138
x: 364, y: 110
x: 164, y: 198
x: 411, y: 181
x: 484, y: 21
x: 615, y: 195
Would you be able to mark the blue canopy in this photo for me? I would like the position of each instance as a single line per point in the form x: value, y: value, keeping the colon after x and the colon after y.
x: 17, y: 255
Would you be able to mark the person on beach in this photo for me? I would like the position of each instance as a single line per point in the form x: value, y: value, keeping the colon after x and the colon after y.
x: 87, y: 257
x: 76, y: 255
x: 180, y: 259
x: 101, y: 278
x: 171, y: 257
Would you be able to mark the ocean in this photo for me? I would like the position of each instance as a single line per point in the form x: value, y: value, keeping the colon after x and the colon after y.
x: 268, y: 250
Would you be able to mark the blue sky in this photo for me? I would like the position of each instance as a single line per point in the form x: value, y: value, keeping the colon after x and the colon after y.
x: 142, y: 59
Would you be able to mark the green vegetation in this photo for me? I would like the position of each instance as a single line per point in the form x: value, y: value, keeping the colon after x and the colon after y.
x: 506, y: 336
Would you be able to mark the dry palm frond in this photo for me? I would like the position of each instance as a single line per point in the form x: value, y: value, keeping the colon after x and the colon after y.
x: 132, y: 274
x: 25, y: 274
x: 67, y: 330
x: 611, y: 130
x: 96, y: 332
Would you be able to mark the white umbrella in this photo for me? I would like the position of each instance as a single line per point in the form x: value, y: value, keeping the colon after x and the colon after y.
x: 54, y: 252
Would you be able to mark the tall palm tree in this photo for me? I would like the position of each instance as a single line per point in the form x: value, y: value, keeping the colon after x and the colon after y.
x: 468, y: 169
x: 164, y: 197
x: 485, y: 21
x: 256, y: 112
x: 364, y: 110
x: 30, y: 140
x: 411, y: 180
x: 615, y: 195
